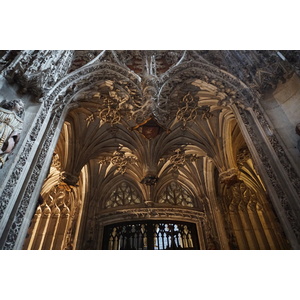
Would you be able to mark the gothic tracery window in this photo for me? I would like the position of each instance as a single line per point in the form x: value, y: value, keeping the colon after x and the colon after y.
x: 176, y: 194
x: 123, y: 194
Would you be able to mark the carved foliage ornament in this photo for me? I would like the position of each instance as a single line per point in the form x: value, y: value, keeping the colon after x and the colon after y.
x: 120, y: 160
x: 37, y: 71
x: 179, y: 159
x: 82, y: 79
x: 188, y: 110
x: 114, y: 100
x: 58, y: 98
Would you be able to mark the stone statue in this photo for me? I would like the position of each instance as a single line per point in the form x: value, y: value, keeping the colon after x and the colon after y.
x: 11, y: 124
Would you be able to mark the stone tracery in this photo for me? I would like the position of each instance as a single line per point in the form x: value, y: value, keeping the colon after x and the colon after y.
x: 217, y: 91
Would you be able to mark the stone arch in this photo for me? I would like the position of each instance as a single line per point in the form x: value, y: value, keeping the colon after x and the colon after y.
x: 123, y: 194
x: 59, y: 100
x: 175, y: 193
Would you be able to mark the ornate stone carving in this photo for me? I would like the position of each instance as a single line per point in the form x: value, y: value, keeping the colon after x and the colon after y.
x: 206, y: 73
x: 150, y: 128
x: 11, y: 125
x: 123, y: 194
x: 243, y: 155
x: 290, y: 215
x: 88, y: 76
x: 56, y: 162
x: 54, y: 99
x: 37, y: 71
x: 188, y: 110
x: 283, y: 158
x: 22, y: 207
x: 269, y: 69
x: 115, y: 101
x: 179, y: 158
x: 81, y: 58
x: 161, y: 59
x: 6, y: 58
x: 229, y: 177
x: 152, y: 212
x: 120, y: 160
x: 176, y: 194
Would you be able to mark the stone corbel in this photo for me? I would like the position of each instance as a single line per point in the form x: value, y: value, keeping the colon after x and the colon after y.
x: 230, y: 177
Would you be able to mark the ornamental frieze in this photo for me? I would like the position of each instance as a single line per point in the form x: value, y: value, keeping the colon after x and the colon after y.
x: 151, y: 212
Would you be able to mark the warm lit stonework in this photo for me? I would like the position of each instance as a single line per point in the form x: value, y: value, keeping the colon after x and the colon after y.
x: 149, y: 150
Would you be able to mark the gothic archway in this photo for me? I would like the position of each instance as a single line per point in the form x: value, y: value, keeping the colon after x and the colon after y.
x: 197, y: 144
x: 191, y: 103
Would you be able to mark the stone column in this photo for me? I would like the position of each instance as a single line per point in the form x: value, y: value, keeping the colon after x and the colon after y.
x: 279, y: 176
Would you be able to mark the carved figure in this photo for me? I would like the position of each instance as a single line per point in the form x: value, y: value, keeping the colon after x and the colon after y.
x: 11, y: 124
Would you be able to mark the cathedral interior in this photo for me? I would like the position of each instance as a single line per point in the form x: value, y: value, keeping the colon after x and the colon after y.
x: 149, y: 150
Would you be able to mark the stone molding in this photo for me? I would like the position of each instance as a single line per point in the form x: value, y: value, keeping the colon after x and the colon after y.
x: 59, y: 97
x: 275, y: 182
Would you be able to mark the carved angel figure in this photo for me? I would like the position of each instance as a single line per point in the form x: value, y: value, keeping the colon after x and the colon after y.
x: 11, y: 124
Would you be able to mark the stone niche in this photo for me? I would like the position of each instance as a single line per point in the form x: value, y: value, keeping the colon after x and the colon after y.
x: 9, y: 92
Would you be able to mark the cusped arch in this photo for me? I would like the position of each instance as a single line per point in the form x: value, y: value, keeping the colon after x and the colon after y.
x: 174, y: 193
x: 123, y: 194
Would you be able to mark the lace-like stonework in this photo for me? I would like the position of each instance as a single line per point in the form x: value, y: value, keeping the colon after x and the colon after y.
x: 175, y: 194
x: 124, y: 194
